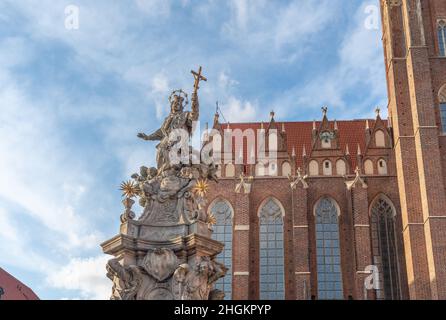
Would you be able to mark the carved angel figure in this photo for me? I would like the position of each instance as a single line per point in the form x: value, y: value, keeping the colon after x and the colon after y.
x: 126, y: 280
x: 196, y: 282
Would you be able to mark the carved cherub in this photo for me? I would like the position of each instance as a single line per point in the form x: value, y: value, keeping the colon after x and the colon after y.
x: 144, y: 179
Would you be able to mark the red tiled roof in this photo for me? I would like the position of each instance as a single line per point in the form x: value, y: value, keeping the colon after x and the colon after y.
x: 13, y: 289
x: 299, y: 135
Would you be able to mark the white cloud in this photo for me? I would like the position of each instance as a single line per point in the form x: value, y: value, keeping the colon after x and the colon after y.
x: 14, y: 246
x: 236, y: 110
x: 226, y: 82
x: 9, y: 233
x: 301, y: 19
x: 87, y: 276
x: 37, y: 170
x: 240, y: 10
x: 160, y: 89
x: 280, y: 31
x: 155, y: 8
x: 360, y: 63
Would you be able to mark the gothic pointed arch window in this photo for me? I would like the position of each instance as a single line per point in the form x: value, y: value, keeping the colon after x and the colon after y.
x: 223, y: 213
x: 260, y: 169
x: 327, y: 169
x: 442, y: 99
x: 368, y: 167
x: 341, y: 167
x: 286, y: 169
x: 385, y: 249
x: 328, y: 252
x: 382, y: 167
x: 442, y: 37
x: 313, y: 168
x: 272, y: 279
x: 230, y: 170
x: 380, y: 139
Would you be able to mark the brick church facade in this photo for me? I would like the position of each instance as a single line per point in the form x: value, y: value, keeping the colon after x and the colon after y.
x: 345, y: 198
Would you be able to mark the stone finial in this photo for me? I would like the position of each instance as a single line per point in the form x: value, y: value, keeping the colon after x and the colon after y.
x: 206, y: 132
x: 314, y: 125
x: 378, y: 112
x: 216, y: 115
x: 216, y: 119
x: 272, y: 114
x: 367, y: 124
x: 358, y: 179
x: 293, y: 153
x: 244, y: 185
x: 324, y: 111
x: 283, y: 126
x: 304, y: 152
x: 300, y: 178
x: 359, y: 150
x: 347, y: 151
x: 262, y: 126
x: 335, y: 125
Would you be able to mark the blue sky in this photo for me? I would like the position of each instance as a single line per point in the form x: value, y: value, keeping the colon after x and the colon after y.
x: 72, y: 101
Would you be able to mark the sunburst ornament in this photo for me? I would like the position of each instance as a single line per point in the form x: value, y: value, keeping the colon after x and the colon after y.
x: 201, y: 188
x: 212, y: 220
x: 129, y: 189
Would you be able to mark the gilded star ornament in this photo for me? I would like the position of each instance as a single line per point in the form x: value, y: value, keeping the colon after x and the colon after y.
x: 212, y: 220
x: 201, y: 188
x: 129, y: 189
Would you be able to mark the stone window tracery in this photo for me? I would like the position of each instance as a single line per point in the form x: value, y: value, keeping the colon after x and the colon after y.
x: 223, y: 214
x: 385, y: 252
x: 272, y: 279
x: 328, y: 252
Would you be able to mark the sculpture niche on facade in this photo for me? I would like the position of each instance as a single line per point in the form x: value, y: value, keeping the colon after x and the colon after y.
x: 168, y: 253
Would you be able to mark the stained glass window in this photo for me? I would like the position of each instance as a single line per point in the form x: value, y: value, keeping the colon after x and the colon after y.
x: 384, y: 247
x: 272, y: 282
x: 329, y: 276
x: 223, y: 214
x: 442, y: 37
x: 443, y: 116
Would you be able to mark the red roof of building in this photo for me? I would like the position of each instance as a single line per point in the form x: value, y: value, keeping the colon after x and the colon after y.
x: 13, y: 289
x: 299, y: 135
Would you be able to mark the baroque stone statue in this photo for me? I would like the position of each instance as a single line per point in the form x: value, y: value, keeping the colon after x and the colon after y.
x: 168, y: 252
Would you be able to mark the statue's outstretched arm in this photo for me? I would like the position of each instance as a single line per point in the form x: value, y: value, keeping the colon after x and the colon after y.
x: 157, y: 135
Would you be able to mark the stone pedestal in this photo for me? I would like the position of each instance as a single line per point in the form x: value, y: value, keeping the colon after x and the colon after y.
x: 168, y: 253
x: 157, y: 263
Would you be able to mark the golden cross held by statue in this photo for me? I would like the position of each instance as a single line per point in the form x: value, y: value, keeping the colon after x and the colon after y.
x: 198, y: 77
